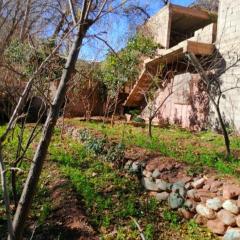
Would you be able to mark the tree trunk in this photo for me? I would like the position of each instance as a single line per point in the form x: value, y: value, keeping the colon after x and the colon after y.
x: 40, y: 154
x: 224, y: 131
x: 14, y: 188
x: 115, y: 108
x: 150, y: 127
x: 204, y: 76
x: 25, y: 20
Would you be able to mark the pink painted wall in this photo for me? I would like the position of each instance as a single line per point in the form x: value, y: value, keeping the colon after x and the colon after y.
x: 187, y: 105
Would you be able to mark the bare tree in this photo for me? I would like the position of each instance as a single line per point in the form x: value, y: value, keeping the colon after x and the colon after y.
x: 162, y: 83
x: 21, y: 214
x: 213, y: 86
x: 150, y: 97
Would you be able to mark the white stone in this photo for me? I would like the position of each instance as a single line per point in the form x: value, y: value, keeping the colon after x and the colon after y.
x: 231, y: 206
x: 161, y: 184
x: 226, y: 217
x: 198, y: 183
x: 163, y: 196
x: 147, y: 174
x: 232, y: 234
x: 156, y: 173
x: 214, y: 203
x: 149, y: 184
x: 205, y: 211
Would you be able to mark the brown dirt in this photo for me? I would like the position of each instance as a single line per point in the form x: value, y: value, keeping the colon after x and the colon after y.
x: 67, y: 219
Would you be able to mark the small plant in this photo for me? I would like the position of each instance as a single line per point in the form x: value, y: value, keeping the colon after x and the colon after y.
x: 195, y: 170
x: 134, y: 112
x: 171, y: 217
x: 138, y: 120
x: 152, y: 205
x: 116, y: 154
x: 44, y: 213
x: 149, y: 232
x: 111, y: 152
x: 195, y: 232
x: 96, y: 145
x: 84, y: 135
x: 106, y: 221
x: 129, y: 209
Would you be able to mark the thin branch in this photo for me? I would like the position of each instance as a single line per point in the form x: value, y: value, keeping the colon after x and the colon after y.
x: 139, y: 228
x: 100, y: 11
x: 5, y: 195
x: 107, y: 44
x: 72, y: 12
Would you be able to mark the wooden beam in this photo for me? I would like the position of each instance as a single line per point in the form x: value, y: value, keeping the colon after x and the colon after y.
x: 166, y: 59
x: 203, y: 49
x: 196, y: 13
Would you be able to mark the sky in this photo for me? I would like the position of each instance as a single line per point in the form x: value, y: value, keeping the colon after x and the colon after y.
x: 116, y: 30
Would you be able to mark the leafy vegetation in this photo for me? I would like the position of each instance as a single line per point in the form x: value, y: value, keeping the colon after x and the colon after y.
x: 198, y: 149
x: 100, y: 146
x: 113, y: 198
x: 42, y: 205
x: 28, y: 58
x: 123, y: 67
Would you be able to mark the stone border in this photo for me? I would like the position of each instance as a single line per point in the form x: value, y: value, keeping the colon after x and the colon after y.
x: 210, y: 201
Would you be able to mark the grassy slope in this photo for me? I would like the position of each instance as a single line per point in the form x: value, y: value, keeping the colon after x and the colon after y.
x: 111, y: 197
x: 198, y: 149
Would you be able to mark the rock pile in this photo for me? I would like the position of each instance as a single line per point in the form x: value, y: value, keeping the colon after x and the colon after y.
x: 210, y: 201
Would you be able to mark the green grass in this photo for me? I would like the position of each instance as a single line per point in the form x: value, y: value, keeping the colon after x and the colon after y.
x: 107, y: 195
x: 110, y: 196
x: 41, y: 204
x: 203, y: 148
x: 113, y: 197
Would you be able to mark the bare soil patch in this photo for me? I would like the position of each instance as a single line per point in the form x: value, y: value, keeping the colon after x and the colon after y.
x: 67, y: 219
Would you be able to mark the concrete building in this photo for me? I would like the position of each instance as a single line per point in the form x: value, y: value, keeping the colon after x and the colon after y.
x: 228, y: 45
x: 182, y: 99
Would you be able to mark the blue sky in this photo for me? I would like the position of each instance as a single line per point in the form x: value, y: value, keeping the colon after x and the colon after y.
x: 116, y: 30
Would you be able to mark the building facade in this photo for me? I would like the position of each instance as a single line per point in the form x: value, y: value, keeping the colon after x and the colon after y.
x: 228, y: 45
x: 180, y: 31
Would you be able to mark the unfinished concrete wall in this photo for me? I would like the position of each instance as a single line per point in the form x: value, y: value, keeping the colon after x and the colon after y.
x: 228, y: 42
x: 186, y: 106
x: 206, y: 34
x: 158, y: 27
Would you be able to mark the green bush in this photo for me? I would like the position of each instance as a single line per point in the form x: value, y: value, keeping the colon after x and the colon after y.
x: 116, y: 154
x: 118, y: 69
x: 138, y: 120
x: 100, y: 146
x: 134, y: 112
x: 21, y: 54
x: 84, y: 135
x: 97, y: 145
